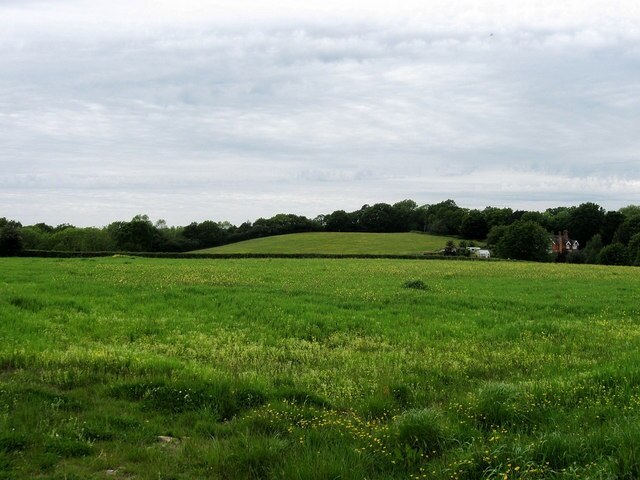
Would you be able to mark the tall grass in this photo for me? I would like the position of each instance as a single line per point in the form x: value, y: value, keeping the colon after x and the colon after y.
x: 147, y: 368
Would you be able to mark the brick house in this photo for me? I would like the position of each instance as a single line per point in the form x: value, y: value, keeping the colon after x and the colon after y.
x: 561, y: 243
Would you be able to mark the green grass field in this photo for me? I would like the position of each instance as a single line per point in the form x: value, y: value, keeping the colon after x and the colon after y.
x: 318, y: 369
x: 339, y: 243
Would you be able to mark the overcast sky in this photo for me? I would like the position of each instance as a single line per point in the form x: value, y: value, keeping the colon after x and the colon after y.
x: 189, y: 110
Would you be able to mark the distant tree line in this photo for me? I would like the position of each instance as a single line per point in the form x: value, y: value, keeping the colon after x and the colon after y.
x: 607, y: 237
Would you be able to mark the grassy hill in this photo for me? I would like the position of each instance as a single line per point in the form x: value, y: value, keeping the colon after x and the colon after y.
x: 338, y: 243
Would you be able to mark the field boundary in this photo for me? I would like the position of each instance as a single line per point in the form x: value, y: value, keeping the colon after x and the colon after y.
x: 221, y: 256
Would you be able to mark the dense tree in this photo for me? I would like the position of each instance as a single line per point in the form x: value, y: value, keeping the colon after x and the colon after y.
x: 244, y: 227
x: 380, y: 217
x: 536, y: 217
x: 282, y: 223
x: 630, y: 211
x: 496, y: 224
x: 43, y: 227
x: 406, y: 216
x: 524, y: 241
x: 585, y: 221
x: 10, y: 239
x: 474, y: 226
x: 557, y: 219
x: 495, y: 235
x: 610, y: 225
x: 74, y: 239
x: 497, y: 216
x: 627, y: 229
x: 320, y: 221
x: 137, y: 235
x: 422, y: 218
x: 339, y: 221
x: 204, y: 235
x: 63, y: 226
x: 4, y: 222
x: 445, y: 218
x: 34, y: 238
x: 517, y: 215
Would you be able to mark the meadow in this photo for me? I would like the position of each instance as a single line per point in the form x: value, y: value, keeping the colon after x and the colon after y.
x: 343, y: 243
x: 318, y: 369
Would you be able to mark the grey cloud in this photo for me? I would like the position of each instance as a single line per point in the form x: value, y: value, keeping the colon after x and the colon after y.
x: 285, y: 117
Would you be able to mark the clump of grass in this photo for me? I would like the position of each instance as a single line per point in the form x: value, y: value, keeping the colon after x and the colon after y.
x: 378, y: 407
x: 256, y: 457
x: 425, y: 430
x: 505, y: 405
x: 560, y: 450
x: 401, y: 394
x: 388, y: 400
x: 415, y: 285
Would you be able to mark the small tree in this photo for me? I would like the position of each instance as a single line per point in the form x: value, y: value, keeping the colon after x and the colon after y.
x: 496, y: 234
x: 462, y: 248
x: 450, y: 248
x: 592, y: 250
x: 524, y: 241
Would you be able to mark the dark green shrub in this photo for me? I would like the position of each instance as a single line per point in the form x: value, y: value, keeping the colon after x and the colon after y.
x: 415, y: 284
x: 401, y: 394
x: 614, y: 254
x: 524, y: 241
x: 26, y: 303
x: 576, y: 257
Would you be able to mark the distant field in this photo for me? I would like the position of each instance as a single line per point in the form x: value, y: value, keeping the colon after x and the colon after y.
x: 318, y: 369
x: 339, y: 243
